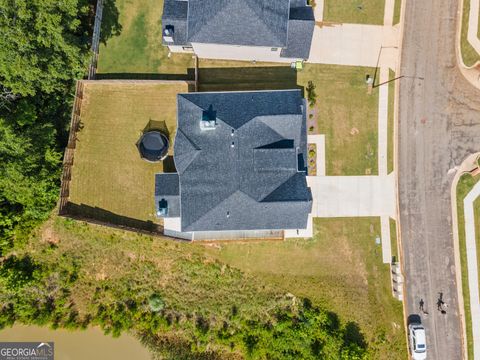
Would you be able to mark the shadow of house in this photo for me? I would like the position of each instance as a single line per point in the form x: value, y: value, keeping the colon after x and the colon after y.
x: 188, y: 76
x: 104, y: 217
x: 248, y: 78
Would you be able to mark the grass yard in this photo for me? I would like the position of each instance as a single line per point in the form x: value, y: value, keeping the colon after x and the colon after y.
x: 397, y: 11
x: 391, y: 123
x: 348, y: 117
x: 136, y: 48
x: 394, y: 239
x: 109, y: 179
x: 341, y: 268
x: 346, y: 114
x: 469, y: 55
x: 354, y: 11
x: 464, y: 186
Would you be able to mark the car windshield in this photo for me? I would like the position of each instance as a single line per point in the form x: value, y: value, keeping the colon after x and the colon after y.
x: 420, y: 347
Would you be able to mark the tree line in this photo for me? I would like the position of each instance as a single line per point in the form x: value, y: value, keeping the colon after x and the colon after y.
x: 44, y: 48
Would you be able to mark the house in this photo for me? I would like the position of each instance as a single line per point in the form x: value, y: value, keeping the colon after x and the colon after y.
x: 241, y: 162
x: 261, y: 30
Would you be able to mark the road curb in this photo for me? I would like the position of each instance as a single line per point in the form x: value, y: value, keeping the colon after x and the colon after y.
x: 463, y: 169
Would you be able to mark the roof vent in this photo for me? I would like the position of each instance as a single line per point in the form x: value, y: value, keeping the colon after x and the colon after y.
x: 168, y: 34
x: 208, y: 121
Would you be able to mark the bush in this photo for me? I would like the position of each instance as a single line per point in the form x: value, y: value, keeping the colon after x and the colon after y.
x: 311, y: 94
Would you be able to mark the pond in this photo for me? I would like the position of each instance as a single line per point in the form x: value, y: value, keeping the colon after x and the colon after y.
x: 89, y: 344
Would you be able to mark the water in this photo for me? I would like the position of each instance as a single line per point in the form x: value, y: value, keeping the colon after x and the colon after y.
x: 89, y: 344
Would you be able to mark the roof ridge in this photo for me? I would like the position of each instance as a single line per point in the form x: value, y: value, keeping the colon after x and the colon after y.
x: 217, y: 205
x: 248, y: 3
x: 278, y: 187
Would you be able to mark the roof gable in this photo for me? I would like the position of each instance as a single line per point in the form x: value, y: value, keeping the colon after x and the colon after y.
x: 241, y: 164
x: 239, y: 22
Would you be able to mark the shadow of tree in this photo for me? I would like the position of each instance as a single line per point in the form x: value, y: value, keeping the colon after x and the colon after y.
x: 353, y: 335
x: 110, y: 25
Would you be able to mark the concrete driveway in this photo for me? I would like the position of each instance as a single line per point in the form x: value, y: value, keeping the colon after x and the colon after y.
x: 346, y: 196
x: 354, y: 44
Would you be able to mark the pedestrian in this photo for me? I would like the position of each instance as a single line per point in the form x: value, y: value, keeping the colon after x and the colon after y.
x: 422, y: 303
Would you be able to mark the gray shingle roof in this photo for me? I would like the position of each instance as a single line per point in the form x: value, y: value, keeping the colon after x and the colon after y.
x: 167, y: 189
x: 238, y: 22
x: 300, y: 33
x: 248, y: 173
x: 175, y: 14
x: 270, y: 23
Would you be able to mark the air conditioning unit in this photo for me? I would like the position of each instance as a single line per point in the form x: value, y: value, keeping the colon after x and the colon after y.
x: 168, y: 34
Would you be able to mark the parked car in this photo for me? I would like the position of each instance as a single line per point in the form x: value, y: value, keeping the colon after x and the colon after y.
x: 418, y: 344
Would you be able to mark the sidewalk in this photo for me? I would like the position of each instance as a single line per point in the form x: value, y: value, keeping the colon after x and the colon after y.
x: 470, y: 240
x: 472, y: 34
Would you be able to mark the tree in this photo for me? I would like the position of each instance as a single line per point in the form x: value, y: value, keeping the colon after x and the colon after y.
x: 43, y: 44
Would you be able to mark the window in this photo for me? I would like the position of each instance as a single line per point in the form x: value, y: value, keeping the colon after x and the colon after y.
x: 187, y: 48
x: 274, y: 49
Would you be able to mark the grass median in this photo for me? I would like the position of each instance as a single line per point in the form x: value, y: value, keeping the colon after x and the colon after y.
x: 469, y: 54
x: 465, y: 184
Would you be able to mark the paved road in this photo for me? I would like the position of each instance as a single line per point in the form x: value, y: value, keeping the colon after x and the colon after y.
x: 439, y: 125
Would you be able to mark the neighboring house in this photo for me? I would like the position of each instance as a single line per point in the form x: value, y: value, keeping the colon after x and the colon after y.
x: 241, y: 161
x: 261, y: 30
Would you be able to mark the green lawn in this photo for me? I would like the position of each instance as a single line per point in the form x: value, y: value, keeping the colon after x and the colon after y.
x: 394, y: 240
x: 136, y: 48
x: 354, y: 11
x: 469, y: 55
x: 348, y: 117
x: 464, y: 186
x: 397, y: 11
x: 109, y: 179
x: 391, y: 123
x: 341, y: 267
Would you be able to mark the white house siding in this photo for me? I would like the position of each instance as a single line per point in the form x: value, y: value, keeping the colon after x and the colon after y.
x: 179, y: 49
x: 238, y: 52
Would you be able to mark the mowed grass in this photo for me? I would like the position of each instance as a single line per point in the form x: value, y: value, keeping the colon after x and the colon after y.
x: 346, y: 114
x: 348, y: 117
x: 354, y: 11
x: 397, y: 12
x: 469, y: 55
x: 394, y: 239
x: 138, y: 49
x: 341, y: 267
x: 465, y: 184
x: 108, y: 174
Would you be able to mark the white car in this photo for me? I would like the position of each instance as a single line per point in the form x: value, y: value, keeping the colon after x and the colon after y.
x: 418, y: 345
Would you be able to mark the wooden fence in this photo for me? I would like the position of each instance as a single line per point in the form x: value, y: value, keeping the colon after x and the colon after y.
x: 68, y: 156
